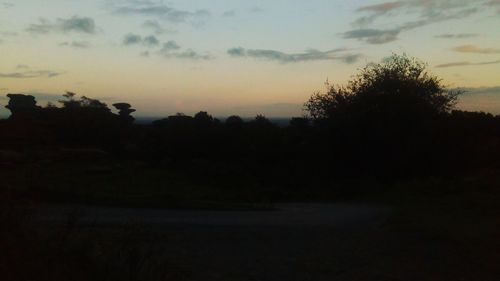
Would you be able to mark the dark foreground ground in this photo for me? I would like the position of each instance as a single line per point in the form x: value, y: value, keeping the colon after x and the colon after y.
x: 427, y: 229
x: 287, y: 242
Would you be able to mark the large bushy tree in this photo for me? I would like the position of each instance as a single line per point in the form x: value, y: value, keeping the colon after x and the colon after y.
x: 386, y: 120
x: 397, y: 87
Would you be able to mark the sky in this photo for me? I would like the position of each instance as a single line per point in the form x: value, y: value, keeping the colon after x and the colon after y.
x: 238, y: 57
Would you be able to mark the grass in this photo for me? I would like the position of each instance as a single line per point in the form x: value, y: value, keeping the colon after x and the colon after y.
x: 71, y: 251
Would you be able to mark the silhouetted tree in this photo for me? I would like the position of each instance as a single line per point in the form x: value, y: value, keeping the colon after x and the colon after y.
x: 70, y: 101
x: 234, y: 120
x: 203, y: 118
x: 385, y: 119
x: 83, y: 103
x: 398, y: 86
x: 93, y: 104
x: 300, y: 122
x: 261, y: 120
x: 22, y: 106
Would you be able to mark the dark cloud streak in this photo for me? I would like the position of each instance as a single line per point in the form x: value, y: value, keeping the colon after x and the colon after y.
x: 30, y: 74
x: 74, y: 24
x: 456, y: 35
x: 134, y: 39
x: 160, y: 11
x: 76, y: 44
x: 309, y: 55
x: 427, y: 12
x: 466, y: 63
x: 475, y: 50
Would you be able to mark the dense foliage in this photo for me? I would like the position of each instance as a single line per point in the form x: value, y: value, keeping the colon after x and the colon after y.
x: 392, y: 121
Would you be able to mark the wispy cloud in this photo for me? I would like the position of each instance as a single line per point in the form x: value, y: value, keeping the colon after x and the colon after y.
x: 381, y: 8
x: 156, y: 27
x: 466, y: 63
x: 150, y: 41
x: 228, y: 14
x: 480, y: 90
x: 376, y: 11
x: 8, y: 33
x: 159, y: 10
x: 256, y: 9
x: 134, y: 39
x: 373, y: 36
x: 494, y: 3
x: 192, y: 55
x: 31, y: 74
x: 169, y: 47
x: 419, y: 12
x: 131, y: 39
x: 6, y: 5
x: 76, y: 44
x: 187, y: 54
x: 73, y: 24
x: 476, y: 50
x: 309, y: 55
x: 456, y: 35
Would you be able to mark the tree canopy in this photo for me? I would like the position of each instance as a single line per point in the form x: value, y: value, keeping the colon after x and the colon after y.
x: 400, y: 85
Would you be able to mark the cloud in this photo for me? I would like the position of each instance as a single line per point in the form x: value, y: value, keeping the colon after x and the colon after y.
x: 76, y: 44
x: 22, y: 66
x: 74, y: 24
x: 494, y: 3
x: 417, y: 12
x: 159, y: 10
x: 169, y: 47
x: 376, y: 11
x: 192, y: 55
x: 485, y: 99
x: 466, y: 63
x: 156, y: 27
x: 7, y: 5
x: 256, y: 10
x: 228, y: 14
x: 456, y: 35
x: 84, y: 25
x: 480, y: 90
x: 150, y: 41
x: 187, y: 54
x: 134, y: 39
x: 381, y: 8
x: 31, y: 74
x: 8, y: 33
x: 373, y: 36
x: 476, y: 50
x: 131, y: 39
x: 309, y: 55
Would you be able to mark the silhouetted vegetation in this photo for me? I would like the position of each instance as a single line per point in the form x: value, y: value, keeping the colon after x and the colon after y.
x: 392, y: 134
x: 393, y: 121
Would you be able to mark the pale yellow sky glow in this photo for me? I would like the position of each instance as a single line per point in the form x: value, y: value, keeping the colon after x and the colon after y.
x: 238, y: 57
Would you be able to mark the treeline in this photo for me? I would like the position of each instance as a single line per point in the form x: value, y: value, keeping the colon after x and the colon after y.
x: 393, y: 121
x: 448, y: 144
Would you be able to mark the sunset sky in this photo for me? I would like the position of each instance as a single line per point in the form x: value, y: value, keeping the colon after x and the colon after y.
x: 238, y: 57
